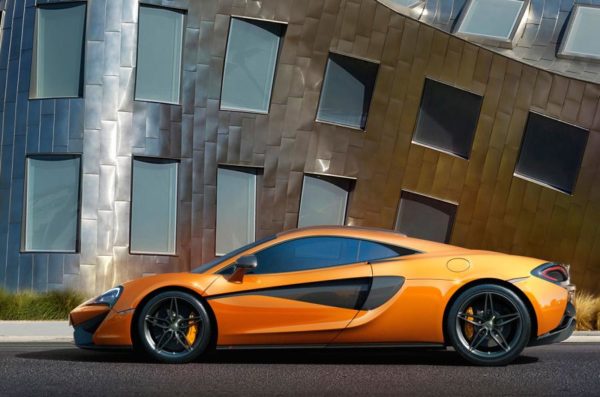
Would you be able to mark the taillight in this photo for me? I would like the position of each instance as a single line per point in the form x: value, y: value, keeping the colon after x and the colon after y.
x: 553, y: 272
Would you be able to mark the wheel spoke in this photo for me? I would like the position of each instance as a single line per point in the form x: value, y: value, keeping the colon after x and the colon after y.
x: 174, y: 308
x: 162, y: 342
x: 499, y: 339
x: 158, y: 322
x: 481, y: 334
x: 507, y: 318
x: 489, y: 305
x: 181, y: 338
x: 467, y: 317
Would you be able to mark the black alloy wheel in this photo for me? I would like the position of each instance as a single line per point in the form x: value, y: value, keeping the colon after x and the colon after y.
x: 174, y: 327
x: 488, y: 325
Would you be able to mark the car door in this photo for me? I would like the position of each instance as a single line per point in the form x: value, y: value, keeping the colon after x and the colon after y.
x: 303, y: 291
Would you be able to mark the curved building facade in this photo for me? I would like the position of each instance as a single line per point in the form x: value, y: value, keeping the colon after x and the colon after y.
x: 140, y: 137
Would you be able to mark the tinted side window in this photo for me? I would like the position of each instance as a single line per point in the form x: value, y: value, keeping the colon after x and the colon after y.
x: 307, y: 253
x: 372, y: 251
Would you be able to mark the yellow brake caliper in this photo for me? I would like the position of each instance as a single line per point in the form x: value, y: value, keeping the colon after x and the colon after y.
x: 192, y: 332
x: 469, y: 328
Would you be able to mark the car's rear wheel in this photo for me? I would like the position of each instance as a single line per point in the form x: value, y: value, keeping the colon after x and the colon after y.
x: 174, y: 327
x: 488, y: 325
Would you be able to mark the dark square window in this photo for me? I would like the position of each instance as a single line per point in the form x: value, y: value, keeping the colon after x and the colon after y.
x: 347, y: 90
x: 551, y: 152
x: 425, y: 217
x: 447, y: 118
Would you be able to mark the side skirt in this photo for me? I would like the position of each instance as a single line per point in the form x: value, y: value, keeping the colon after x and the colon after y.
x: 106, y: 348
x: 338, y: 346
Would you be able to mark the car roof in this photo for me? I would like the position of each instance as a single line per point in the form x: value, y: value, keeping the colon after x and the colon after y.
x: 367, y: 233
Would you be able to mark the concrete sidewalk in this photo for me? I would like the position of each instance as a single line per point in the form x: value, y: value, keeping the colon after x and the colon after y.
x: 35, y: 331
x: 60, y: 331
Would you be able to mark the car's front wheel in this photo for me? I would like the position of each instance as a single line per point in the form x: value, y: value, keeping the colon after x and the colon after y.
x: 488, y: 325
x: 174, y: 327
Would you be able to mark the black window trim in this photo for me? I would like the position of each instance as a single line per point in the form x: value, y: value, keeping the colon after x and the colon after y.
x: 284, y: 27
x: 157, y: 160
x: 538, y: 182
x: 32, y: 92
x: 324, y: 74
x: 428, y: 196
x: 258, y: 172
x: 333, y: 179
x: 439, y: 149
x: 173, y: 8
x: 40, y: 155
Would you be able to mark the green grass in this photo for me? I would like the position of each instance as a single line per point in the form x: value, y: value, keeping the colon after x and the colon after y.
x: 29, y: 305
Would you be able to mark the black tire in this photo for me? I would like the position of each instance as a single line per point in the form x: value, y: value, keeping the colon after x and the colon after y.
x: 486, y: 335
x: 165, y: 328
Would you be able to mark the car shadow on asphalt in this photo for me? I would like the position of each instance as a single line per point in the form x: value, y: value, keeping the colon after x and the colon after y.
x: 287, y: 356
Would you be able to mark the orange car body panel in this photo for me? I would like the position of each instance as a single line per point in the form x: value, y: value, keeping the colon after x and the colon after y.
x: 86, y: 312
x: 136, y: 290
x: 548, y: 301
x: 275, y: 321
x: 251, y: 319
x: 115, y: 330
x: 413, y: 315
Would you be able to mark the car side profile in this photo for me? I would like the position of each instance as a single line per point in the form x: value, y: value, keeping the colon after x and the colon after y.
x: 330, y: 287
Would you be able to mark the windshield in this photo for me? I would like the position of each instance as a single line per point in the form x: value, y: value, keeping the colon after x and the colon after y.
x: 217, y: 261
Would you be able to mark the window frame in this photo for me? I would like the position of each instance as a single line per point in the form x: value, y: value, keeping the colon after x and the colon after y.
x: 225, y: 269
x: 164, y: 160
x: 173, y: 8
x: 439, y: 149
x: 33, y: 96
x: 538, y: 182
x: 329, y: 178
x: 508, y: 42
x: 284, y: 26
x: 258, y: 172
x: 324, y: 74
x: 23, y: 244
x: 453, y: 218
x: 562, y: 51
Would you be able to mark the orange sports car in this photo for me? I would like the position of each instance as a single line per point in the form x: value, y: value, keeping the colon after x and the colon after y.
x: 333, y: 287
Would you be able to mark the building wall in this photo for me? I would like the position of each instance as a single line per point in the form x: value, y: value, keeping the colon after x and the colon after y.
x: 496, y: 210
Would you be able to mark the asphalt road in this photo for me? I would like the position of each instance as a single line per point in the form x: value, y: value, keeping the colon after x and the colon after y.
x: 60, y: 369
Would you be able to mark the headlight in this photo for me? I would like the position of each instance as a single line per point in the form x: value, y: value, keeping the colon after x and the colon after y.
x: 108, y: 298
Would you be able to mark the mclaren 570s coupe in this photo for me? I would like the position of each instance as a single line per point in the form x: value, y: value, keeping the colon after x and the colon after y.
x: 329, y: 287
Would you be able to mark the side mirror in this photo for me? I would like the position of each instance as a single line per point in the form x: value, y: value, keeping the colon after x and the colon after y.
x: 242, y: 266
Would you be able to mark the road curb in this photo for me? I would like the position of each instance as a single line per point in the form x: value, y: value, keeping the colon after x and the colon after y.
x: 583, y: 339
x: 36, y: 339
x: 35, y: 331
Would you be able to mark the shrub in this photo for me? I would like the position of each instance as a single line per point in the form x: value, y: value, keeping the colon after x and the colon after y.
x: 588, y: 310
x: 30, y: 305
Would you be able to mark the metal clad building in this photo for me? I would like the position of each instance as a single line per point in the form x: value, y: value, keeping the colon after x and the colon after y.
x: 146, y: 137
